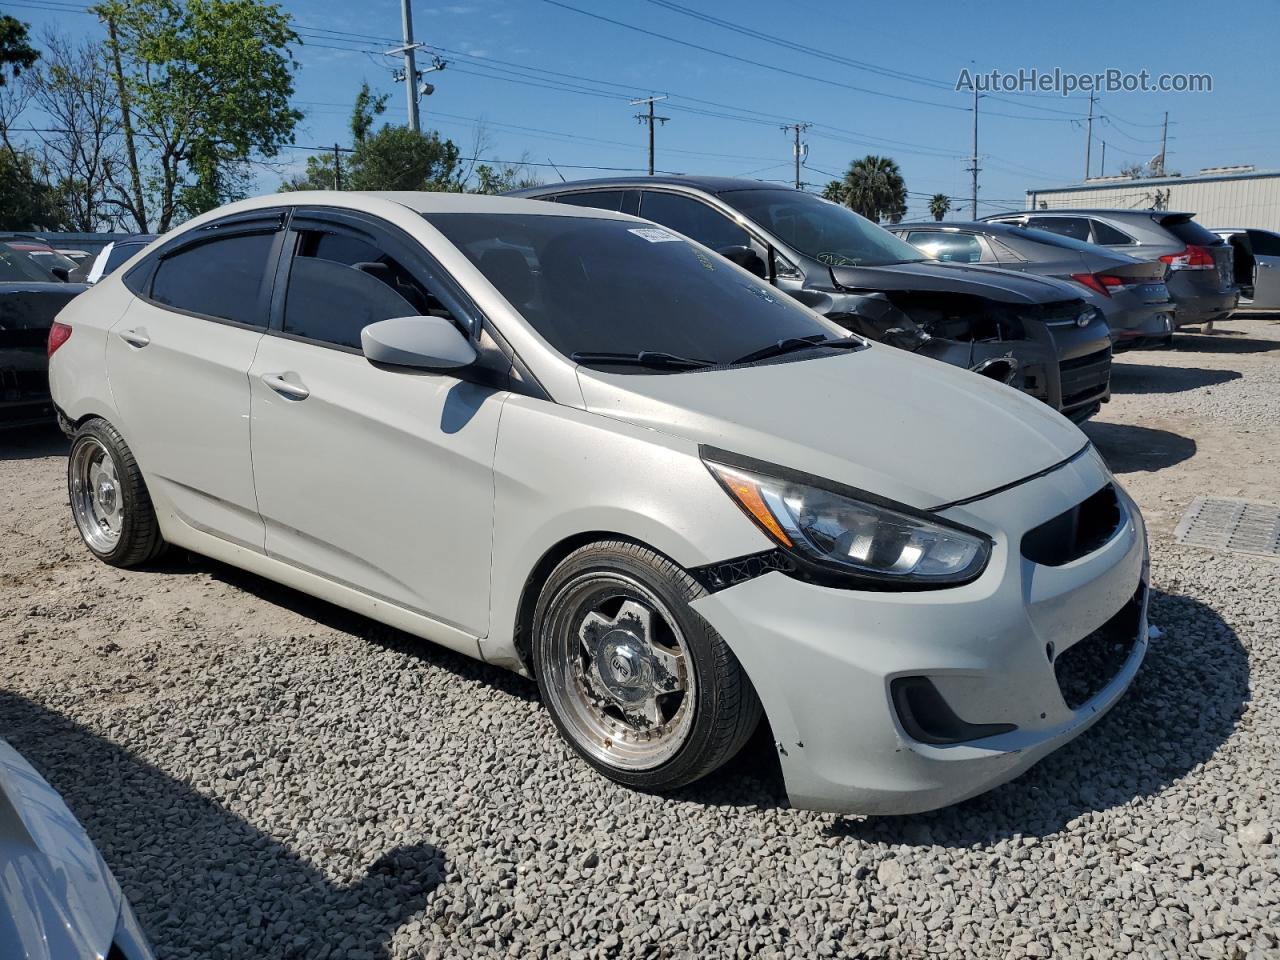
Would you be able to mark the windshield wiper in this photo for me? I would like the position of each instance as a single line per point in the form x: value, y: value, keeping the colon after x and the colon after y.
x: 645, y: 358
x: 792, y: 344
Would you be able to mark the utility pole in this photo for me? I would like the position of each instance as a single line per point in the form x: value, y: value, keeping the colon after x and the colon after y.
x: 1103, y: 171
x: 1164, y: 140
x: 410, y: 66
x: 139, y: 204
x: 1088, y: 140
x: 337, y: 167
x: 973, y: 166
x: 651, y: 120
x: 797, y: 128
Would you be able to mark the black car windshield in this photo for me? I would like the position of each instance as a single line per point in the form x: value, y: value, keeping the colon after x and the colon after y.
x: 591, y: 285
x: 18, y: 266
x: 817, y: 228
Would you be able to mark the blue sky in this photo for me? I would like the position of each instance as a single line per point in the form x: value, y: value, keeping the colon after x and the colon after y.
x: 512, y: 64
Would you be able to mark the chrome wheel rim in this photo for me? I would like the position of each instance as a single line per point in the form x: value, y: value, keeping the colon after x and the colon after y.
x: 621, y: 677
x: 97, y: 500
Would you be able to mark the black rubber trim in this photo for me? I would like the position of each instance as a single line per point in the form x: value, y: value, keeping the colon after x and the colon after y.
x: 714, y: 577
x: 926, y: 716
x: 1009, y: 486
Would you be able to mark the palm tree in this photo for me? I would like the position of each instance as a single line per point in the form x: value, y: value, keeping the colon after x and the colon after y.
x: 939, y: 204
x: 873, y: 187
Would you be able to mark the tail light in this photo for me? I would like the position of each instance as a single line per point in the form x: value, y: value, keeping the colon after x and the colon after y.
x: 1193, y: 258
x: 59, y: 334
x: 1099, y: 282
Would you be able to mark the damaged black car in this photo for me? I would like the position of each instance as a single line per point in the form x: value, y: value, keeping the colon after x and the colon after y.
x: 1035, y: 333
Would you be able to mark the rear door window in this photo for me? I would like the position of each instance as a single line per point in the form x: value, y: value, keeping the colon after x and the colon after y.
x: 694, y: 219
x: 220, y: 278
x: 1075, y: 227
x: 1264, y: 243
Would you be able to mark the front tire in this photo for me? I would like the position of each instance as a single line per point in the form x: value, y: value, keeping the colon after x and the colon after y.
x: 109, y: 498
x: 642, y: 687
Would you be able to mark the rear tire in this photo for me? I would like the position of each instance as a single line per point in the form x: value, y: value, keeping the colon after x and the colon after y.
x: 642, y: 687
x: 109, y: 498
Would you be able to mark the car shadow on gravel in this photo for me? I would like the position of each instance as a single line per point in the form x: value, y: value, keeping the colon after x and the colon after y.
x: 338, y: 618
x: 1183, y: 705
x: 1222, y: 341
x: 1149, y: 378
x: 1131, y: 449
x: 203, y: 881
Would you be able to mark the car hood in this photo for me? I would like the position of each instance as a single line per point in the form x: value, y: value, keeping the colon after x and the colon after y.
x: 994, y: 283
x: 880, y: 419
x: 58, y: 900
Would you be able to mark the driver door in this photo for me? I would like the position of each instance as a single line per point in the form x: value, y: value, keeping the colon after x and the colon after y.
x: 373, y: 477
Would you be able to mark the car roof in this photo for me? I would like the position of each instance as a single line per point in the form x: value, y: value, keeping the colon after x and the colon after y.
x: 977, y: 226
x: 1090, y: 211
x: 420, y: 201
x: 706, y: 184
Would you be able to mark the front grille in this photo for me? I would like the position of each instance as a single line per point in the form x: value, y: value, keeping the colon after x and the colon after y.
x: 1086, y: 378
x: 1076, y: 532
x: 1085, y: 668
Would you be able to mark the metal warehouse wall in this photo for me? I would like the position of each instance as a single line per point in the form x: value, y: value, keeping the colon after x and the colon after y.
x: 1241, y: 201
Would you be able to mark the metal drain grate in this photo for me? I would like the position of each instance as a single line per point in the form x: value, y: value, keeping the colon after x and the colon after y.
x: 1224, y: 523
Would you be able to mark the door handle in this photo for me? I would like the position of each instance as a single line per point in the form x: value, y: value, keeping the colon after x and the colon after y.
x: 135, y: 338
x: 294, y: 391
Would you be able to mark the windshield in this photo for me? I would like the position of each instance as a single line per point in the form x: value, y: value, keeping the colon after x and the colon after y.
x: 19, y: 266
x: 590, y: 285
x: 817, y: 228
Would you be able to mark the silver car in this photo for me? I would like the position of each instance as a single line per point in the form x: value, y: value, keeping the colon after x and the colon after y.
x: 58, y: 900
x: 584, y: 447
x: 1201, y: 277
x: 1130, y: 293
x: 1257, y: 266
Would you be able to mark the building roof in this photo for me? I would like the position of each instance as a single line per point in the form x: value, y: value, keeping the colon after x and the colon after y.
x: 1116, y: 184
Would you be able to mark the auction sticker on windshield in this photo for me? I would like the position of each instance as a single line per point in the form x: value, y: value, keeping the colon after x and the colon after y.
x: 655, y: 235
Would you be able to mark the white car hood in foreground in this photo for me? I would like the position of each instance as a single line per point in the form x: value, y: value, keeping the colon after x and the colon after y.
x: 905, y: 427
x: 58, y: 901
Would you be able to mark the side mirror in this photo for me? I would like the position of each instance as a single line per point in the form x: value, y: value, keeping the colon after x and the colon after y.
x: 423, y: 343
x: 746, y: 258
x: 62, y: 273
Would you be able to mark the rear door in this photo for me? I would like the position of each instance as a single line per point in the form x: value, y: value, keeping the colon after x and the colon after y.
x: 178, y: 362
x: 1266, y: 268
x: 374, y: 477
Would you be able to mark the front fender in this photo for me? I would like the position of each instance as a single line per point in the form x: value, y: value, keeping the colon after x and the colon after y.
x: 560, y: 473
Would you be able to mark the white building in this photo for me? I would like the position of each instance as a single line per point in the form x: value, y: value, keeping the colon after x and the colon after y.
x: 1218, y: 196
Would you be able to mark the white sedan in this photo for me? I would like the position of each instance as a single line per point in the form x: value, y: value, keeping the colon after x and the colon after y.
x: 583, y: 447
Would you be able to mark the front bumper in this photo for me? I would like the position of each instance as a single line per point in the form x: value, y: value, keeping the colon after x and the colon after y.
x: 823, y: 659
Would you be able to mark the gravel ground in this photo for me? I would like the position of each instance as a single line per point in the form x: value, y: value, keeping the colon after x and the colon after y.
x: 269, y: 776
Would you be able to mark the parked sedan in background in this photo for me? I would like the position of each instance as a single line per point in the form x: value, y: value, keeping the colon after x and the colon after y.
x: 1257, y: 266
x: 1130, y: 293
x: 578, y: 445
x: 111, y: 256
x: 1201, y: 278
x: 31, y: 294
x: 58, y: 900
x: 1032, y: 332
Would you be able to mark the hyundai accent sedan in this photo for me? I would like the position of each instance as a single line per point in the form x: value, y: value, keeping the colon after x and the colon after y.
x: 583, y: 447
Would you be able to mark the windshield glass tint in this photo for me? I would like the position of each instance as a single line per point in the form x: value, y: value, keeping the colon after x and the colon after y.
x: 17, y: 265
x: 1053, y: 239
x: 822, y: 230
x: 591, y: 285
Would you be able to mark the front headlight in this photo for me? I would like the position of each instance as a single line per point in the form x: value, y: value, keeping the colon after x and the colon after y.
x: 844, y: 535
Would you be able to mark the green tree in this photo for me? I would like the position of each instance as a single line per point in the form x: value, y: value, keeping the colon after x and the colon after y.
x: 834, y: 191
x: 205, y: 88
x: 16, y: 53
x: 509, y: 176
x: 27, y: 202
x: 939, y: 205
x: 397, y: 158
x: 873, y: 187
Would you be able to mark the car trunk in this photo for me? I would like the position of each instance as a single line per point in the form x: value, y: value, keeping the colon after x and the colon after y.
x: 26, y: 313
